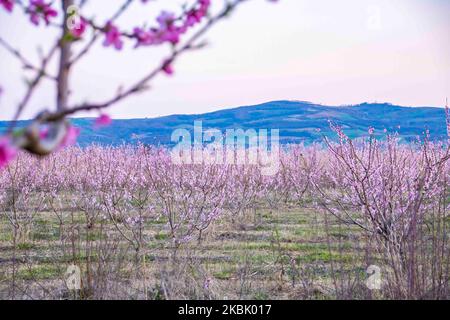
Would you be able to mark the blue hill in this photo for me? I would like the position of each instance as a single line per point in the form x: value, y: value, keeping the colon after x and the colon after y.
x: 298, y: 122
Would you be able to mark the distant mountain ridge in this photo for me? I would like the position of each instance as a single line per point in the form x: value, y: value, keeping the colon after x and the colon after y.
x: 297, y: 121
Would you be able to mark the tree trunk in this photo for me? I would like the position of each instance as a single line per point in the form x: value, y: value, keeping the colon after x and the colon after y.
x: 64, y: 61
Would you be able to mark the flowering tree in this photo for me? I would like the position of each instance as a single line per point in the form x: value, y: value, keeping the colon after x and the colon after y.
x: 398, y: 195
x: 191, y: 197
x: 114, y: 202
x: 50, y: 130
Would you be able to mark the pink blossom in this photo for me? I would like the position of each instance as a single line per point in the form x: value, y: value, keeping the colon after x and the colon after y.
x: 79, y: 30
x: 134, y: 221
x: 170, y: 28
x: 39, y: 9
x: 342, y: 136
x: 71, y: 137
x: 7, y: 4
x: 113, y: 35
x: 143, y: 37
x: 7, y: 152
x: 165, y: 19
x: 168, y: 31
x: 102, y: 121
x: 196, y: 15
x: 167, y: 68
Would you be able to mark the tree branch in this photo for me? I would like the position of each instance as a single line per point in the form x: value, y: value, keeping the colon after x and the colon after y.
x: 97, y: 34
x: 143, y: 83
x: 25, y: 62
x: 32, y: 86
x: 64, y: 65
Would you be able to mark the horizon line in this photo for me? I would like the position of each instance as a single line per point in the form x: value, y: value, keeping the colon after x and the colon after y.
x: 249, y: 106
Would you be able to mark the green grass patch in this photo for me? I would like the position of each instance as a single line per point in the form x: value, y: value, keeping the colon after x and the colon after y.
x: 39, y: 272
x: 261, y: 296
x: 225, y: 274
x: 161, y: 236
x: 25, y: 246
x: 324, y: 256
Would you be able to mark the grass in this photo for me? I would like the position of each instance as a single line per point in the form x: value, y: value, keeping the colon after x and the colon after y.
x: 224, y: 274
x: 254, y: 261
x: 25, y: 246
x: 39, y: 272
x: 161, y: 236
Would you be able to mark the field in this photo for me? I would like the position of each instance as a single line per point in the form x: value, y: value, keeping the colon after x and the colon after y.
x: 352, y: 221
x: 285, y: 255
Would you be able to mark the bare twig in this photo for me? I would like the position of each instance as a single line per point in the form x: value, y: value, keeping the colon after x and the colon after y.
x: 32, y: 86
x: 25, y: 62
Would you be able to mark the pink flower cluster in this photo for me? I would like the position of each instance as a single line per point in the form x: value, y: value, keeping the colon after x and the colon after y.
x: 39, y: 9
x: 384, y: 184
x: 112, y: 35
x: 102, y: 121
x: 170, y: 28
x: 71, y: 137
x: 80, y: 28
x: 7, y: 152
x: 7, y: 4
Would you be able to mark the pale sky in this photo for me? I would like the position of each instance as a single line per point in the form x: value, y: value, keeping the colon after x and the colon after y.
x: 323, y: 51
